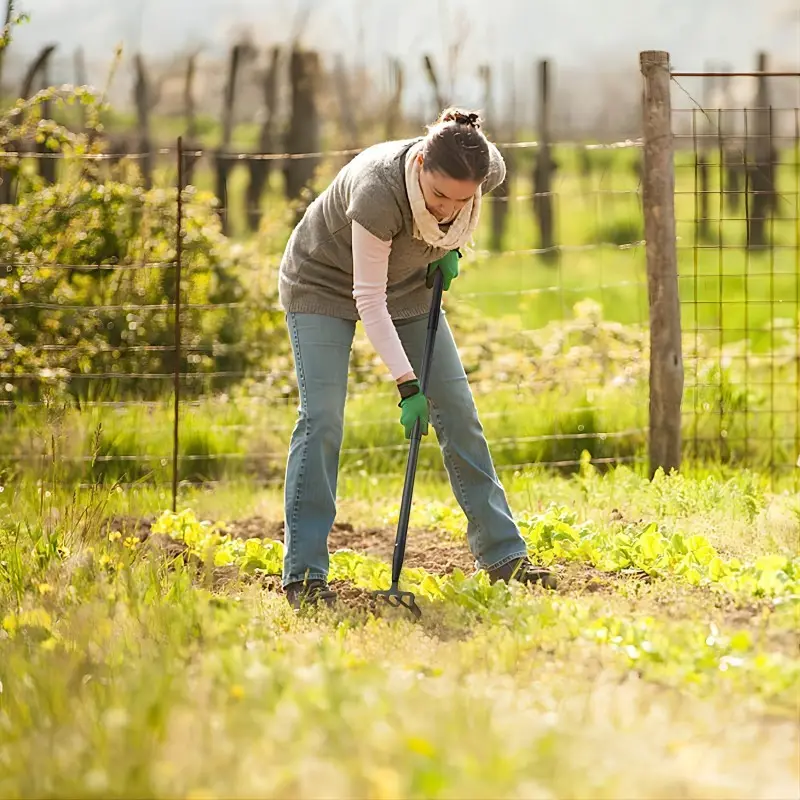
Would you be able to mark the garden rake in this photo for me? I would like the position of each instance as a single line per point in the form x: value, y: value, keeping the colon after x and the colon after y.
x: 393, y: 596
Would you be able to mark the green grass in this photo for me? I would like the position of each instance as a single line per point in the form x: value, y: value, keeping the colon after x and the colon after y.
x: 533, y: 411
x: 222, y: 440
x: 729, y: 290
x: 129, y: 675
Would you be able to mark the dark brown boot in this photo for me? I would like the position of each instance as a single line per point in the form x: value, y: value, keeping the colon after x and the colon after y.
x: 523, y: 571
x: 305, y: 594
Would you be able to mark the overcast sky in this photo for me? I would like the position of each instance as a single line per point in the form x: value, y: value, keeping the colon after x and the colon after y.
x: 583, y: 37
x: 570, y: 31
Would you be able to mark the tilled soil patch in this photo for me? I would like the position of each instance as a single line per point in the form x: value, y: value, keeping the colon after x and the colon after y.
x: 425, y: 548
x: 576, y: 578
x: 355, y: 599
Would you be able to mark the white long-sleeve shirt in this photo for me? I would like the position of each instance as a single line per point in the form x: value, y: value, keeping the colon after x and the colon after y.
x: 370, y: 279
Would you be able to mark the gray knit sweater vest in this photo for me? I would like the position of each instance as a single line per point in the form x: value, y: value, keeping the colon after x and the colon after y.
x: 316, y: 273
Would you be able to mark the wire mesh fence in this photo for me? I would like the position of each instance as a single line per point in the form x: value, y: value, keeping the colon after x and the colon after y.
x: 737, y: 202
x: 92, y: 375
x: 142, y: 342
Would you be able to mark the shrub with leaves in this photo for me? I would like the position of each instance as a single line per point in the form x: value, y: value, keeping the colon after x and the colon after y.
x: 88, y: 277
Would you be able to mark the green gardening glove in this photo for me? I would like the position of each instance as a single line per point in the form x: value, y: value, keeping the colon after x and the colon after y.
x: 414, y: 406
x: 448, y: 264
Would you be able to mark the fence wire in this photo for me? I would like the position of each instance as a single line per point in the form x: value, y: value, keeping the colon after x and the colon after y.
x: 738, y: 223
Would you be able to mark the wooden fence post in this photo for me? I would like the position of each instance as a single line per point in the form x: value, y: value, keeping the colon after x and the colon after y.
x: 261, y: 169
x: 658, y: 195
x: 499, y: 200
x: 394, y: 113
x: 304, y: 133
x: 544, y: 169
x: 702, y: 162
x: 142, y: 95
x: 760, y: 163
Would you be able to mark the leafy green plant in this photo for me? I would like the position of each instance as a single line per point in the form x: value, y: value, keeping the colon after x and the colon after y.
x: 90, y: 275
x: 556, y: 535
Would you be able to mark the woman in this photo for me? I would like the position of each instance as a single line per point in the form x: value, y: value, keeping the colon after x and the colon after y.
x: 366, y: 249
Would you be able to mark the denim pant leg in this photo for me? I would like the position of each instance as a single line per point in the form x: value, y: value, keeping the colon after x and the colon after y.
x: 321, y: 347
x: 492, y: 534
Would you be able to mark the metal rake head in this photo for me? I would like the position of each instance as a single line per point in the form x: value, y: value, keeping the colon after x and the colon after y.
x: 395, y: 598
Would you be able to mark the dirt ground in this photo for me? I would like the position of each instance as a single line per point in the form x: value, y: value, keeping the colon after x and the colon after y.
x: 429, y: 549
x: 424, y: 548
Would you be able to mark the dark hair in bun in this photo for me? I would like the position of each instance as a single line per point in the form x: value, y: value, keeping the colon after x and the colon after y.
x: 456, y: 146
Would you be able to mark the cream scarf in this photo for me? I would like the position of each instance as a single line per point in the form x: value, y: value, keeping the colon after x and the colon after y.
x: 425, y: 225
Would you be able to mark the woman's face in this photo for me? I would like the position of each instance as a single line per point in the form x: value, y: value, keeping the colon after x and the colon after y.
x: 444, y: 196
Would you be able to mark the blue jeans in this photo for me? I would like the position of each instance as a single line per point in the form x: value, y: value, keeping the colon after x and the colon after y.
x: 321, y: 346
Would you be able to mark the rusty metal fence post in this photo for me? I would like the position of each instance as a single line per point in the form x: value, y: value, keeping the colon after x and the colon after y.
x: 658, y: 195
x: 177, y: 359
